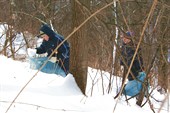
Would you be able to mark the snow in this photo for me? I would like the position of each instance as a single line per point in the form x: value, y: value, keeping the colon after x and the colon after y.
x: 50, y: 93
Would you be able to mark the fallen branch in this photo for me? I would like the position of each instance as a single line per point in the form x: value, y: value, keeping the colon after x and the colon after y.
x: 39, y: 106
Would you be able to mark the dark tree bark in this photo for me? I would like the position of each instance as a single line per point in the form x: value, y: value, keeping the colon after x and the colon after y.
x: 78, y: 56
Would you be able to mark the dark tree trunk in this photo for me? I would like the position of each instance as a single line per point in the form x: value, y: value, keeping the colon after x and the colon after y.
x: 78, y: 57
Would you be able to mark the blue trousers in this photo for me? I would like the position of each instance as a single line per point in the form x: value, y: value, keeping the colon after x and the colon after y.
x: 133, y: 87
x: 50, y: 68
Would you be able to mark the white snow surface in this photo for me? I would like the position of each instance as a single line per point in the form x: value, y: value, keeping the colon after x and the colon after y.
x: 50, y: 93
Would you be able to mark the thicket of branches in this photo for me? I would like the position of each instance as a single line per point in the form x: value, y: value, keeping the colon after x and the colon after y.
x: 94, y: 41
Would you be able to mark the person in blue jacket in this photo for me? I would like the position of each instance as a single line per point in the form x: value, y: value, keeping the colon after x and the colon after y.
x: 50, y: 41
x: 128, y: 50
x: 136, y: 75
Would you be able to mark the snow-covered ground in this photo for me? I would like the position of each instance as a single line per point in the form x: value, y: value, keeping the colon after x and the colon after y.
x: 49, y: 93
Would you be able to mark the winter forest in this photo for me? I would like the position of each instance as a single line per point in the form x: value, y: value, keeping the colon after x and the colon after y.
x: 93, y: 29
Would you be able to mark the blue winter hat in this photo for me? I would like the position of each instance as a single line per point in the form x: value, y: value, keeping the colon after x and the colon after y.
x: 128, y: 34
x: 45, y: 29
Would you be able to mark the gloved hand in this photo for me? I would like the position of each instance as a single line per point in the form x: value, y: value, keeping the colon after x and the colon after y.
x: 53, y: 59
x: 31, y: 52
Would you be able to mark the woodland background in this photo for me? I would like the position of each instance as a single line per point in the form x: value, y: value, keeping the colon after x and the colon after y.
x: 93, y: 34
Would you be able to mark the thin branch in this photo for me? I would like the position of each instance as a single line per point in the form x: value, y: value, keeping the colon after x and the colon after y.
x: 123, y: 16
x: 31, y: 16
x: 166, y: 98
x: 39, y: 106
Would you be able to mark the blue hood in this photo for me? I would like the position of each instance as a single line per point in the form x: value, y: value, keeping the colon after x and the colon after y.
x: 47, y: 30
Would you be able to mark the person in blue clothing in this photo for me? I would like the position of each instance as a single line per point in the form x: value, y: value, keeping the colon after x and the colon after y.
x: 137, y: 74
x: 128, y: 50
x: 50, y: 41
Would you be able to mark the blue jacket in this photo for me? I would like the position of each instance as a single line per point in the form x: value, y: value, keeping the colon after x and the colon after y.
x: 63, y: 52
x: 127, y: 52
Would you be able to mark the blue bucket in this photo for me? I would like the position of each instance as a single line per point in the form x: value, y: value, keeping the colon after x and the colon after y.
x: 50, y: 68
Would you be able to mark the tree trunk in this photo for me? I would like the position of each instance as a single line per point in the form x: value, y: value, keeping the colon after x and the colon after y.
x: 78, y: 56
x: 163, y: 59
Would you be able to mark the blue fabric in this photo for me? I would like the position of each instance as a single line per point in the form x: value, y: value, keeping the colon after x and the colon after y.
x: 50, y: 68
x: 127, y: 51
x: 63, y: 52
x: 129, y: 34
x: 133, y: 87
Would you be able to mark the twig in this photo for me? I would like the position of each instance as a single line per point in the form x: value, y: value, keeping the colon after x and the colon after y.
x: 124, y: 16
x: 31, y: 16
x: 39, y: 106
x: 166, y: 98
